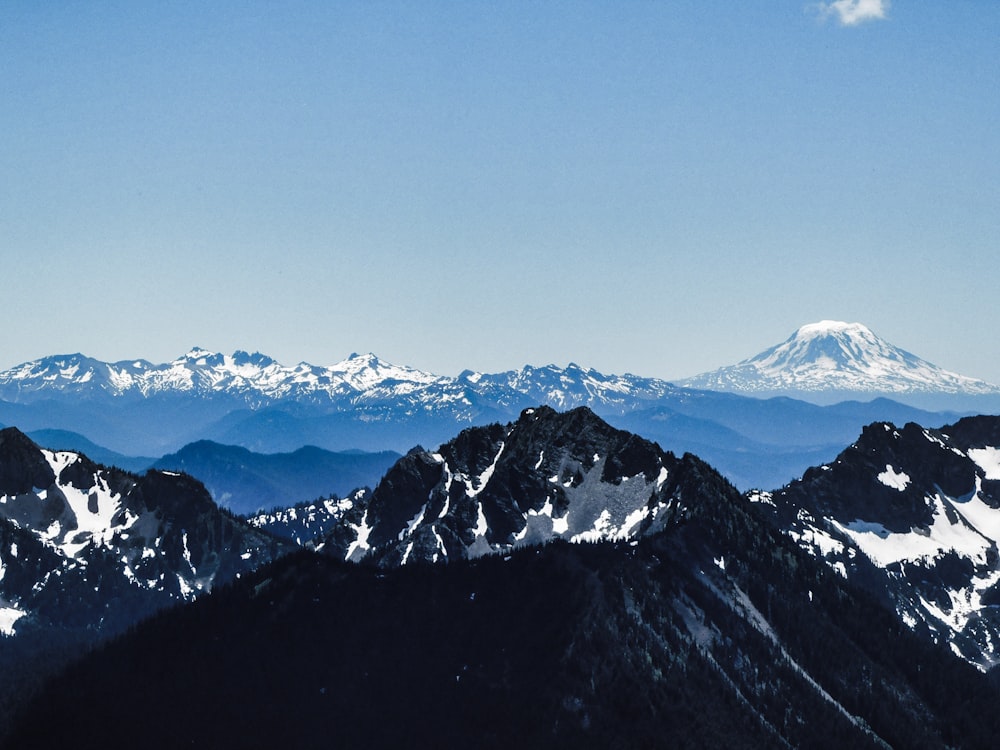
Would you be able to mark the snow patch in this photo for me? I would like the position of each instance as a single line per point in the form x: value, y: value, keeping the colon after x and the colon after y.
x: 897, y: 480
x: 600, y: 530
x: 818, y: 539
x: 761, y: 497
x: 413, y: 523
x: 987, y: 459
x: 485, y: 476
x: 885, y: 548
x: 8, y: 617
x: 481, y: 526
x: 360, y: 543
x: 661, y: 478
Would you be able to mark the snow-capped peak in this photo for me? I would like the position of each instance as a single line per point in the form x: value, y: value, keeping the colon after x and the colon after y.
x: 826, y: 327
x: 833, y: 356
x: 197, y: 353
x: 366, y: 371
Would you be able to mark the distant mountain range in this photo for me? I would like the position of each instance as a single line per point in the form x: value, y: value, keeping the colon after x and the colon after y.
x: 252, y: 401
x: 832, y: 361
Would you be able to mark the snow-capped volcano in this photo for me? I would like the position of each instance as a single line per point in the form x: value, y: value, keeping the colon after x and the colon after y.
x: 838, y: 359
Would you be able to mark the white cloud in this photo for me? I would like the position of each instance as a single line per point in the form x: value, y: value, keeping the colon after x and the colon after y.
x: 853, y: 12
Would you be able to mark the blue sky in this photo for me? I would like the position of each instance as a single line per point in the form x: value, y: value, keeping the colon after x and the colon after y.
x: 653, y: 187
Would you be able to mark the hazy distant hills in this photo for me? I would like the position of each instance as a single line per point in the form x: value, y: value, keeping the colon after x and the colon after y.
x: 74, y: 441
x: 241, y: 480
x: 832, y: 361
x: 363, y: 403
x: 246, y: 482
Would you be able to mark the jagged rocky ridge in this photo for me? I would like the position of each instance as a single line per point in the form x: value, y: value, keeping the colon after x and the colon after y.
x: 254, y: 401
x: 912, y: 514
x: 65, y: 519
x: 701, y: 625
x: 309, y: 523
x: 258, y: 380
x: 549, y: 475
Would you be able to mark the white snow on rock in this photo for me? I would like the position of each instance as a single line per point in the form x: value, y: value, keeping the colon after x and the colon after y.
x: 987, y: 459
x: 359, y: 547
x: 825, y: 544
x: 885, y: 548
x: 8, y: 617
x: 93, y: 509
x: 982, y: 517
x: 897, y: 480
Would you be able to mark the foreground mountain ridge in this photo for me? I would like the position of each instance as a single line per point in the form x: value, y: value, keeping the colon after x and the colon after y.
x: 87, y: 551
x: 912, y: 514
x: 713, y: 629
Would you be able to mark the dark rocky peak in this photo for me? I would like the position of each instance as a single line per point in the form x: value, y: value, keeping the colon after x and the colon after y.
x: 22, y: 464
x: 172, y: 493
x: 241, y: 358
x: 579, y: 435
x: 913, y: 514
x: 402, y: 492
x: 473, y: 450
x: 886, y: 477
x: 975, y: 432
x: 926, y: 455
x: 548, y: 475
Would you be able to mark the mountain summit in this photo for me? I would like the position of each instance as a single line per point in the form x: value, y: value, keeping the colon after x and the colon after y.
x: 831, y: 361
